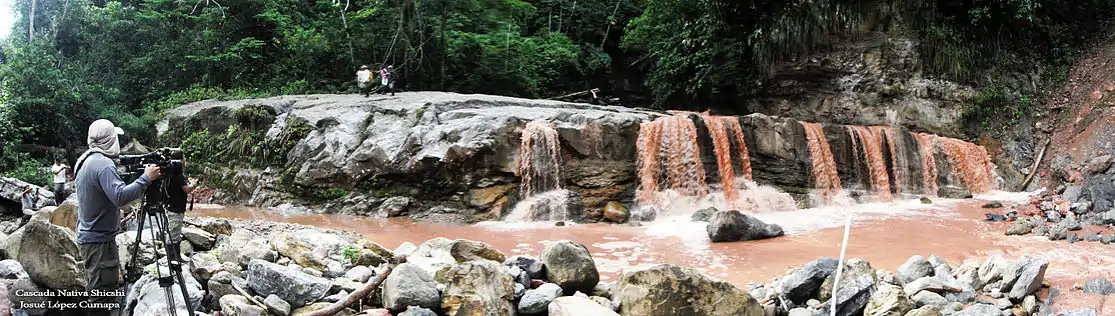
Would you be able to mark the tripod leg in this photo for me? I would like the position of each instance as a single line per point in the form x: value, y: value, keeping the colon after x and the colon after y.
x: 173, y: 263
x: 139, y: 239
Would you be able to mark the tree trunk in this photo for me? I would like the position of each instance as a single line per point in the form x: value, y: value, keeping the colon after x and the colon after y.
x: 31, y: 25
x: 444, y: 50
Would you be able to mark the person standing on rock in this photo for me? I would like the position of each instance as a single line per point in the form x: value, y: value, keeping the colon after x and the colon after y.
x: 364, y: 80
x: 59, y: 170
x: 100, y: 193
x: 177, y: 191
x: 387, y: 80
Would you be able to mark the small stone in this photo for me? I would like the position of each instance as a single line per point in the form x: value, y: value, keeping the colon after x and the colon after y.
x: 535, y: 301
x: 1003, y: 303
x: 925, y: 200
x: 800, y: 312
x: 1041, y: 230
x: 1101, y: 286
x: 703, y: 215
x: 1020, y: 227
x: 277, y: 305
x: 993, y: 204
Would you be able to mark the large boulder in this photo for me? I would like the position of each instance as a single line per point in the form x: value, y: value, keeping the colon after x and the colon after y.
x: 853, y: 269
x: 535, y: 301
x: 735, y: 226
x: 201, y: 239
x: 310, y: 248
x: 423, y: 139
x: 148, y: 298
x: 888, y: 300
x: 953, y: 192
x: 851, y: 298
x: 667, y: 290
x: 570, y: 265
x: 434, y: 255
x: 410, y: 285
x: 224, y: 283
x: 979, y: 310
x: 915, y: 268
x: 229, y: 249
x: 805, y: 283
x: 50, y: 255
x: 11, y: 189
x: 468, y: 250
x: 1030, y: 279
x: 293, y: 286
x: 256, y: 249
x: 478, y: 288
x: 577, y: 306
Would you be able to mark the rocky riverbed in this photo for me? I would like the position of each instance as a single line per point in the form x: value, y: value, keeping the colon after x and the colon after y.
x: 249, y: 267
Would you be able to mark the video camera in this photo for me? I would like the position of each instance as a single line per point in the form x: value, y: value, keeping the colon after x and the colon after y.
x: 169, y: 161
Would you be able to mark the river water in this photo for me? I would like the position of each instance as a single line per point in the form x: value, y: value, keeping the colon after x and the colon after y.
x: 886, y: 234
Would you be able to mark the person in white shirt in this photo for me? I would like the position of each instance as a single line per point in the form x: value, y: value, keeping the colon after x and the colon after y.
x: 364, y: 80
x: 59, y: 170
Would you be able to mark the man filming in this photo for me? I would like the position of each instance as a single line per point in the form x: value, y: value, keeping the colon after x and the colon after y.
x: 101, y: 192
x: 177, y: 190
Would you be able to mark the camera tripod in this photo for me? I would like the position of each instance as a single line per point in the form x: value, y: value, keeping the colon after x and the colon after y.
x: 156, y: 213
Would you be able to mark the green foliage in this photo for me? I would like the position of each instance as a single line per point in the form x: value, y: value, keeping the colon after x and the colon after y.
x: 351, y: 253
x: 254, y: 116
x: 31, y: 171
x: 995, y: 104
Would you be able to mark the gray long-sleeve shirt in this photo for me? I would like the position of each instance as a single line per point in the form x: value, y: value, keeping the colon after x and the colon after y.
x: 100, y: 193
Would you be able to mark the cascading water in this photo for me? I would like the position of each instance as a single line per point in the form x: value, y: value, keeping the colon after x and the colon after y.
x: 723, y: 130
x: 928, y: 163
x: 539, y: 171
x: 871, y: 140
x: 539, y: 161
x: 898, y: 161
x: 971, y: 163
x: 823, y: 166
x: 669, y: 143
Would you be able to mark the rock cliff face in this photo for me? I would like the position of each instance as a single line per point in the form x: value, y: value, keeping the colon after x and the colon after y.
x: 875, y: 80
x: 462, y: 158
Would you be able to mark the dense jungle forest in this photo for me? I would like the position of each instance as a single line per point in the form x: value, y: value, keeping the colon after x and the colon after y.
x: 67, y: 62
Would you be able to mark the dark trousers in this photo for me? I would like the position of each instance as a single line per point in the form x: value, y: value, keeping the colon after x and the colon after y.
x: 389, y: 87
x: 102, y: 272
x: 59, y: 193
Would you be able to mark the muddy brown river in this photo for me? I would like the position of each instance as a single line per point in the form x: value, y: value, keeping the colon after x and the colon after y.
x: 884, y: 234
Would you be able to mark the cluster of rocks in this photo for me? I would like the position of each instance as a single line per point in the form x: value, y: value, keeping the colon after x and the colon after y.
x: 921, y: 286
x: 1056, y: 218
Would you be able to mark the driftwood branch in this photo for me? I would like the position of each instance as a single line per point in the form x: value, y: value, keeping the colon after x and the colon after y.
x: 257, y: 302
x: 355, y: 296
x: 1034, y: 169
x: 593, y: 90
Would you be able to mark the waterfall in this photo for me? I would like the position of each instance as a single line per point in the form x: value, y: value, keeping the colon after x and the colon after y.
x: 723, y: 130
x: 871, y: 140
x: 898, y: 162
x: 928, y: 163
x: 669, y: 143
x: 971, y: 163
x: 539, y: 161
x: 823, y: 164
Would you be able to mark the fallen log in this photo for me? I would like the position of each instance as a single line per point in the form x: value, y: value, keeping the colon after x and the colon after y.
x: 355, y: 296
x: 1034, y: 169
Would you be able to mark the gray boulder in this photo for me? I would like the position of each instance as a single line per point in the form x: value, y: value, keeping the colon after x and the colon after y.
x: 570, y: 265
x: 229, y: 249
x: 533, y: 267
x: 1087, y: 311
x: 804, y: 283
x: 240, y: 306
x: 927, y: 298
x: 392, y: 207
x: 851, y: 299
x: 359, y: 274
x: 853, y: 269
x: 147, y: 298
x: 703, y: 215
x: 200, y: 238
x: 888, y: 300
x: 11, y: 269
x: 536, y: 301
x: 953, y: 192
x: 1099, y: 285
x: 310, y: 248
x: 478, y: 287
x: 577, y: 306
x: 735, y: 226
x: 1020, y: 227
x: 417, y: 311
x: 50, y: 255
x: 979, y: 310
x: 931, y: 284
x: 277, y: 305
x: 467, y: 250
x: 293, y: 286
x: 915, y: 268
x: 221, y: 284
x: 1030, y: 280
x: 668, y: 290
x: 928, y: 310
x: 409, y: 285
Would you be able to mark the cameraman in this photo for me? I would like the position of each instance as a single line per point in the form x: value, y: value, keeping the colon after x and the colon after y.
x: 177, y: 190
x: 100, y: 193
